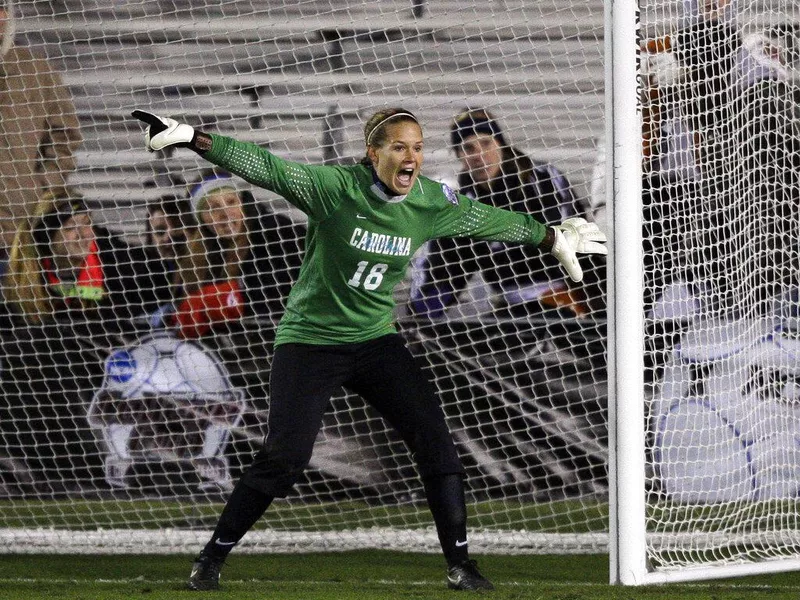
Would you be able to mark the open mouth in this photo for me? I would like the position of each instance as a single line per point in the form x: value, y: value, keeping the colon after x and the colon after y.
x: 405, y: 176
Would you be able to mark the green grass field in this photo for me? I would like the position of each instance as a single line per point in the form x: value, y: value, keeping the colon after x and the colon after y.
x: 363, y: 575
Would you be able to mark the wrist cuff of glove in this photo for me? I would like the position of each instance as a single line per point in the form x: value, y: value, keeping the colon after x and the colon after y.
x: 549, y: 240
x: 201, y: 142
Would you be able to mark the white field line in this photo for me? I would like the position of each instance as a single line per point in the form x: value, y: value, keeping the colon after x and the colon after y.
x: 172, y: 541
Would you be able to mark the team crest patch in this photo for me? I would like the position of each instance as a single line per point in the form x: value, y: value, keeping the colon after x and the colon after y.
x: 450, y: 194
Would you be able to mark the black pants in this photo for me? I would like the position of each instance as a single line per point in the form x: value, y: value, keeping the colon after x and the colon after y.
x: 383, y: 372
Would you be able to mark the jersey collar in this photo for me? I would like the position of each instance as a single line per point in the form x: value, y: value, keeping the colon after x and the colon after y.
x: 382, y: 191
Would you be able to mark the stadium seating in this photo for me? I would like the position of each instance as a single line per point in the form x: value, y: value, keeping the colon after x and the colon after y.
x: 210, y: 65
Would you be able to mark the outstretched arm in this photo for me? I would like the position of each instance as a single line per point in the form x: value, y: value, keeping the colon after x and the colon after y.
x: 164, y: 132
x: 469, y: 218
x: 311, y: 188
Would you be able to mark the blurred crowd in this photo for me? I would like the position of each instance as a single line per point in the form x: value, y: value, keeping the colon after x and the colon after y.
x: 721, y: 151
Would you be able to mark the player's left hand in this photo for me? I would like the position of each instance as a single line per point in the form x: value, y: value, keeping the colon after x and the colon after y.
x: 162, y: 132
x: 577, y: 236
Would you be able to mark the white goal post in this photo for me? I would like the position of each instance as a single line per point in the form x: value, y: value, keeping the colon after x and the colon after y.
x: 626, y: 331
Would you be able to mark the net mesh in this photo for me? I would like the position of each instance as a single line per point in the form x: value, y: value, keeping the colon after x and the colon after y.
x: 720, y: 206
x: 135, y: 376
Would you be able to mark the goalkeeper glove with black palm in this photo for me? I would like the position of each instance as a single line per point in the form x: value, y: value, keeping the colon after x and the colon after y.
x: 163, y: 132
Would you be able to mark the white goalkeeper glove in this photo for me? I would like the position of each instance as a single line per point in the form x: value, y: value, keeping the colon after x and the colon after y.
x: 576, y: 236
x: 163, y: 132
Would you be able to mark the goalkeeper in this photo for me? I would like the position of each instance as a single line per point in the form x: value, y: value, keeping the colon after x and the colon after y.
x: 365, y: 223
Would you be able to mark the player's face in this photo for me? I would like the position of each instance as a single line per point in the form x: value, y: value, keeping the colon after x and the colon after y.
x: 73, y: 242
x: 165, y: 234
x: 224, y: 213
x: 398, y: 161
x: 482, y: 156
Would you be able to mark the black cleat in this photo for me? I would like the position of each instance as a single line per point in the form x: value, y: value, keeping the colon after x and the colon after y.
x: 205, y: 573
x: 465, y: 576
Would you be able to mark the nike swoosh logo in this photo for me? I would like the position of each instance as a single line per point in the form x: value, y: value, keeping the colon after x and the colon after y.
x: 218, y: 543
x: 360, y: 217
x: 460, y: 544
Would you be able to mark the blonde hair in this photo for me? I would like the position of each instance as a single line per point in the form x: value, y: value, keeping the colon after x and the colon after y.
x: 23, y: 286
x: 194, y: 267
x: 375, y: 127
x: 198, y: 267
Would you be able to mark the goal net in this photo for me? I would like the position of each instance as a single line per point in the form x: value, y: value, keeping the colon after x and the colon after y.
x: 135, y: 387
x: 720, y: 226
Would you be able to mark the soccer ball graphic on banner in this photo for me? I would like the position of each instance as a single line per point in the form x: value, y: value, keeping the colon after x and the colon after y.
x: 727, y: 422
x: 166, y: 403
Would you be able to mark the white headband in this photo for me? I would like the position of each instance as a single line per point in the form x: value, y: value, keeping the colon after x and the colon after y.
x: 208, y: 185
x: 400, y: 114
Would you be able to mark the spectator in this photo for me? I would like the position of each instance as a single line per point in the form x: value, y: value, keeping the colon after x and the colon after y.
x: 72, y: 288
x: 722, y: 117
x: 66, y: 269
x: 40, y: 131
x: 692, y: 72
x: 691, y: 106
x: 765, y: 171
x: 673, y: 169
x: 500, y: 175
x: 169, y: 227
x: 243, y: 262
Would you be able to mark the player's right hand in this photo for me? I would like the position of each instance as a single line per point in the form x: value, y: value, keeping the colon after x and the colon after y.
x: 163, y: 132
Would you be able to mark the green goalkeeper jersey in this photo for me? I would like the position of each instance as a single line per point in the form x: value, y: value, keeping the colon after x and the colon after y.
x: 360, y: 241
